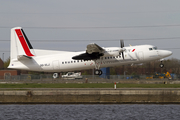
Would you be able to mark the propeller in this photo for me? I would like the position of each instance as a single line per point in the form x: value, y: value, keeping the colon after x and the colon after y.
x: 122, y: 46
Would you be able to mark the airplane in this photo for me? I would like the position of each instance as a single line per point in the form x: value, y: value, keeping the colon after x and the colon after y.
x: 24, y: 57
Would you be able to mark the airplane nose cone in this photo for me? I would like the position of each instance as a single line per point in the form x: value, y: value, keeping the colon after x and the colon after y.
x: 164, y: 53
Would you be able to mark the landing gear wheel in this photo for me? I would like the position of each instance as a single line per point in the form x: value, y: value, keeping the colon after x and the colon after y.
x: 161, y: 65
x: 98, y: 72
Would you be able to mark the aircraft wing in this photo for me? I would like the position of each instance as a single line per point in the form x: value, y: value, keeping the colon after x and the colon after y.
x: 94, y: 48
x: 93, y: 51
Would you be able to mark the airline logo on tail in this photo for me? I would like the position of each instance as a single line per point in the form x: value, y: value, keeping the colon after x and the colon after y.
x: 24, y: 42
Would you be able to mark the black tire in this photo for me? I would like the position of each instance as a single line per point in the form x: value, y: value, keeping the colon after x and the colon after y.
x: 96, y: 72
x: 100, y: 72
x: 161, y: 65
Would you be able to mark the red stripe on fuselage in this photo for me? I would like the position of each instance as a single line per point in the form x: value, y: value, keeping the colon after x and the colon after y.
x: 23, y: 42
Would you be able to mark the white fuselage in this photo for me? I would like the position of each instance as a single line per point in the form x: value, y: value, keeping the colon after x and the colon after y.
x: 61, y: 61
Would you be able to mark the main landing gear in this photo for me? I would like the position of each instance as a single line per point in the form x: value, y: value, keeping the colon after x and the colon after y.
x: 97, y: 66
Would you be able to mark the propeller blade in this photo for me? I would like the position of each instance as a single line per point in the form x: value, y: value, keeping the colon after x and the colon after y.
x: 123, y: 55
x: 122, y: 45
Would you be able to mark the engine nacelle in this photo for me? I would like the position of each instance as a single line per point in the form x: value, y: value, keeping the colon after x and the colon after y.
x: 111, y: 53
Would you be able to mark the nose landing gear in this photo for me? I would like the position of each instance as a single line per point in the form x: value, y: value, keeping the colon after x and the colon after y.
x: 161, y: 65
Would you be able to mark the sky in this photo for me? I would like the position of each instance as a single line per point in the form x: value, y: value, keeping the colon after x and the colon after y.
x: 70, y: 25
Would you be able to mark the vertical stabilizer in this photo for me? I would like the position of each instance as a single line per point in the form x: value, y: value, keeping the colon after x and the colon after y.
x: 20, y: 45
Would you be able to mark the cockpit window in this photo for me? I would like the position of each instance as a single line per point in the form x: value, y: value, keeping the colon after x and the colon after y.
x: 154, y: 48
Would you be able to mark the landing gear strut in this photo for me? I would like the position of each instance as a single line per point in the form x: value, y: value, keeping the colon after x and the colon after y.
x: 97, y: 66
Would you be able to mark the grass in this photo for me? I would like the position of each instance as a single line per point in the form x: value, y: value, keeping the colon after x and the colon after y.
x: 88, y: 85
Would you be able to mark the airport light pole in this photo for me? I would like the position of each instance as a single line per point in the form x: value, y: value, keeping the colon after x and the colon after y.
x: 125, y: 74
x: 3, y: 60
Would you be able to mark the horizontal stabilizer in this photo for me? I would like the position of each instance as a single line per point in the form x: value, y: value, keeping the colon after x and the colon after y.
x: 23, y: 57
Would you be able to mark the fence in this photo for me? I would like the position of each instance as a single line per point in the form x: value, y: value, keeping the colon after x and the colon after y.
x: 46, y: 77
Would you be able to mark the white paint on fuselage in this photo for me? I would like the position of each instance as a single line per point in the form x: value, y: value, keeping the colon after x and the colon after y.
x: 61, y: 61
